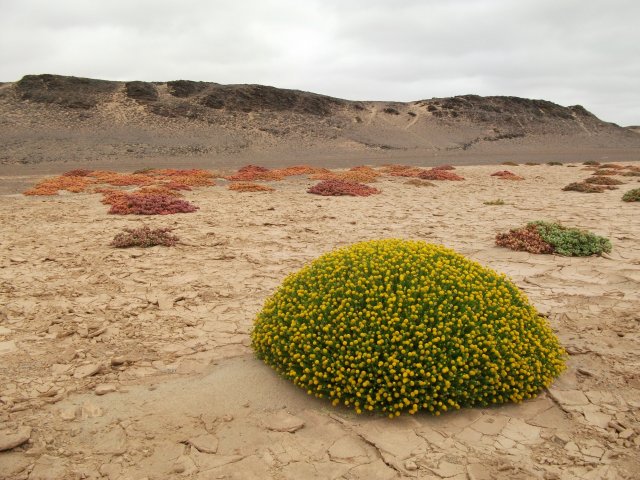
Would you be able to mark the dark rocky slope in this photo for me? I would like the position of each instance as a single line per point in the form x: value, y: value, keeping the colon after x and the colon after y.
x: 51, y: 118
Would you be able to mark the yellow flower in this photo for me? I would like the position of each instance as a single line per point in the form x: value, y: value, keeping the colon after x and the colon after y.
x: 399, y: 326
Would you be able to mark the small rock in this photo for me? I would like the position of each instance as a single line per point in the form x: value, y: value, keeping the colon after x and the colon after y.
x: 347, y: 450
x: 616, y: 426
x: 410, y: 465
x: 87, y: 370
x: 165, y: 302
x: 113, y: 442
x: 447, y: 469
x: 568, y: 397
x: 89, y: 410
x: 283, y: 422
x: 70, y: 413
x: 104, y: 389
x: 111, y: 470
x: 585, y: 372
x: 571, y: 447
x: 477, y: 471
x: 184, y: 465
x: 60, y: 369
x: 120, y: 360
x: 626, y: 434
x: 12, y: 440
x: 49, y: 468
x: 8, y: 347
x: 206, y: 443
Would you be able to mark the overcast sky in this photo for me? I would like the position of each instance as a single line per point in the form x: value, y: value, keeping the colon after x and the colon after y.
x: 568, y: 51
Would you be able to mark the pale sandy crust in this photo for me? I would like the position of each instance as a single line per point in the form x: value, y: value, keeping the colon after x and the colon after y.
x: 167, y: 328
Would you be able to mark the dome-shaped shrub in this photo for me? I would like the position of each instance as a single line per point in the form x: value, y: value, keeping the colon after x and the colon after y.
x: 396, y: 325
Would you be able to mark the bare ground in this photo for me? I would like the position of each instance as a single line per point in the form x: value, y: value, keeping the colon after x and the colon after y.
x: 130, y: 364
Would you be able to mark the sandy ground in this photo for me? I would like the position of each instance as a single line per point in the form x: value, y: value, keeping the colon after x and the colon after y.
x: 132, y: 364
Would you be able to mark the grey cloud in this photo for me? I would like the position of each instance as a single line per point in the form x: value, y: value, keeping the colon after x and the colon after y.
x: 568, y: 51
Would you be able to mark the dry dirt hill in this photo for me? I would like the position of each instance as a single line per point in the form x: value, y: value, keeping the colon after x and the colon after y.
x: 48, y: 122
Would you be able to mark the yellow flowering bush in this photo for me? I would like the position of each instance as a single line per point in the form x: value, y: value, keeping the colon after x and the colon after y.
x: 400, y: 326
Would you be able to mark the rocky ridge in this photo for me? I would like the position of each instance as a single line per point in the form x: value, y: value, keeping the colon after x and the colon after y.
x: 51, y: 118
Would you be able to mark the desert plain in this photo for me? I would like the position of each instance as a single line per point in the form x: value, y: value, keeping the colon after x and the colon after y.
x: 136, y: 363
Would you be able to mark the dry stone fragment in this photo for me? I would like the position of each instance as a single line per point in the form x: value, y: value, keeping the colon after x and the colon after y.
x: 89, y: 410
x: 12, y: 440
x: 377, y: 470
x: 447, y: 469
x: 477, y: 471
x: 206, y: 443
x: 104, y: 389
x: 283, y: 422
x: 111, y: 470
x: 113, y: 442
x: 521, y: 432
x: 87, y: 370
x: 8, y: 347
x: 347, y: 450
x: 70, y: 413
x: 626, y: 434
x: 568, y: 397
x: 490, y: 424
x: 411, y: 466
x: 49, y: 468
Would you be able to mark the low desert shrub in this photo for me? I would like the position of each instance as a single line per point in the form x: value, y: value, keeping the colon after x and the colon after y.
x: 402, y: 170
x: 525, y: 239
x: 137, y: 203
x: 631, y: 173
x: 360, y: 174
x: 591, y: 163
x: 416, y: 182
x: 144, y: 237
x: 572, y: 242
x: 340, y: 188
x: 122, y: 179
x: 511, y: 164
x: 439, y: 175
x: 603, y: 181
x: 498, y: 201
x: 555, y: 164
x: 507, y: 175
x: 51, y: 186
x: 158, y: 190
x: 532, y: 164
x: 547, y: 237
x: 251, y: 173
x: 249, y: 187
x: 584, y: 188
x: 632, y: 195
x: 401, y: 326
x: 444, y: 167
x: 613, y: 166
x: 79, y: 172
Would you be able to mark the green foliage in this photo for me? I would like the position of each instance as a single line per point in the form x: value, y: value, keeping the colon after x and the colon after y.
x: 554, y: 164
x: 632, y: 195
x: 499, y: 201
x: 572, y: 242
x: 400, y: 326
